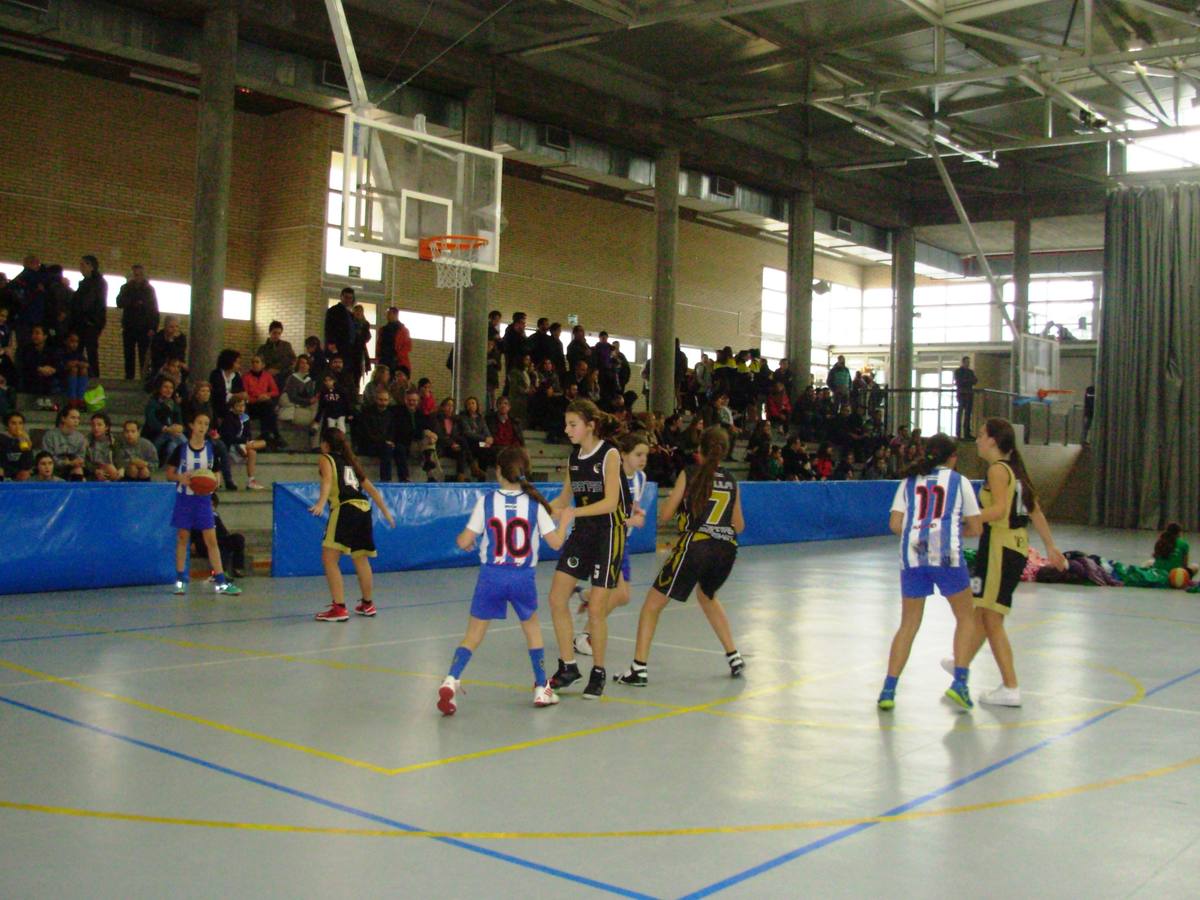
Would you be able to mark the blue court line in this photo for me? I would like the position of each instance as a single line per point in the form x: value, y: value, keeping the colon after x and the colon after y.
x: 852, y: 830
x: 333, y: 804
x: 304, y: 615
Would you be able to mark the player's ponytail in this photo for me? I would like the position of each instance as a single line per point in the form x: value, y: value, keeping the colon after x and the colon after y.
x: 605, y: 426
x: 714, y: 445
x: 1001, y: 431
x: 336, y: 439
x: 1165, y: 545
x: 513, y: 464
x: 938, y: 451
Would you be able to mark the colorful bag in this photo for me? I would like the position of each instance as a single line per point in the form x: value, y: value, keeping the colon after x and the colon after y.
x: 95, y: 398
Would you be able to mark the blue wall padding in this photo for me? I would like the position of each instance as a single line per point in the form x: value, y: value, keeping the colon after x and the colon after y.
x: 428, y: 519
x: 786, y: 512
x: 60, y: 537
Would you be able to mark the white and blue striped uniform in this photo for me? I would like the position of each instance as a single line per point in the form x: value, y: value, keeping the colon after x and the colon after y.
x: 931, y: 542
x: 510, y: 525
x: 192, y: 511
x: 637, y: 487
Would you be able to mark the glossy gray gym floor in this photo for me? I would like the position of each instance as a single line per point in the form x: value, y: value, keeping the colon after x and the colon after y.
x: 203, y: 746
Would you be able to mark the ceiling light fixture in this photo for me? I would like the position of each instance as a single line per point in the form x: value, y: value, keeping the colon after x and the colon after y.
x: 874, y: 135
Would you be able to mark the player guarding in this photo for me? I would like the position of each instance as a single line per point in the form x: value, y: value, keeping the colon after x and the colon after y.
x: 511, y: 521
x: 704, y: 556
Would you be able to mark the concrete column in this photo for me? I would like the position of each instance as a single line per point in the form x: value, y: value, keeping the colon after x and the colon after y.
x: 799, y: 289
x: 666, y: 213
x: 1022, y: 231
x: 214, y: 161
x: 472, y: 304
x: 904, y: 283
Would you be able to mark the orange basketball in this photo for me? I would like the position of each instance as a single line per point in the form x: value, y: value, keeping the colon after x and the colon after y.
x: 203, y: 482
x: 1179, y: 578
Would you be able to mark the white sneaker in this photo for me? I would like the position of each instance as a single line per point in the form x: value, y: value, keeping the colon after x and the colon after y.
x: 948, y: 665
x: 1001, y: 696
x: 181, y: 587
x: 544, y: 695
x: 255, y: 486
x: 446, y: 696
x: 583, y: 643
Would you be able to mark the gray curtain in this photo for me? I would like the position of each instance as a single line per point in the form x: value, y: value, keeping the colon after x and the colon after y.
x: 1147, y: 425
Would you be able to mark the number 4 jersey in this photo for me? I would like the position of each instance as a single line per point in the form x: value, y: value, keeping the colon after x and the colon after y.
x: 934, y: 507
x: 510, y: 525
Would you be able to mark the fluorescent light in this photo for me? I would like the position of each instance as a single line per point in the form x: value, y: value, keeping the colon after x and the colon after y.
x: 721, y: 223
x: 32, y: 51
x: 566, y: 182
x: 743, y: 114
x: 165, y: 82
x: 560, y: 45
x: 874, y: 135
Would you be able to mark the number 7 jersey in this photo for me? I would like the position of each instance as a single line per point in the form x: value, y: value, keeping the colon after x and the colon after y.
x: 716, y: 522
x: 934, y: 507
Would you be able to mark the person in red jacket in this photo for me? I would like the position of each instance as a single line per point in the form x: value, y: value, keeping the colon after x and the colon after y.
x: 403, y: 345
x: 262, y: 394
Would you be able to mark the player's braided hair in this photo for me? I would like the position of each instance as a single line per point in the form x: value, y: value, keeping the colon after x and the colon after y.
x: 513, y: 463
x: 714, y: 445
x: 938, y: 449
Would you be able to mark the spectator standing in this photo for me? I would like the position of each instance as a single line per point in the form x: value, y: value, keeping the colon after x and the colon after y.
x: 540, y: 346
x: 494, y: 358
x: 139, y: 319
x: 28, y: 290
x: 262, y: 395
x: 57, y: 313
x: 16, y: 449
x: 359, y: 360
x: 339, y: 325
x: 494, y: 318
x: 514, y: 344
x: 557, y: 353
x: 385, y: 339
x: 578, y: 350
x: 839, y: 380
x: 8, y: 365
x: 403, y: 345
x: 520, y: 387
x: 277, y: 354
x: 66, y: 445
x: 168, y: 343
x: 1089, y: 410
x: 964, y: 387
x: 226, y: 381
x: 621, y: 367
x: 89, y: 311
x: 783, y: 375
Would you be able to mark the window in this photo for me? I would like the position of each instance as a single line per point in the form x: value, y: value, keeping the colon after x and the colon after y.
x: 1175, y: 151
x: 340, y: 260
x: 955, y: 313
x: 428, y: 327
x: 1056, y: 304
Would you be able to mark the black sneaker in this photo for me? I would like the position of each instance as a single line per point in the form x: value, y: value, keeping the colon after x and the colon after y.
x: 633, y: 677
x: 736, y: 664
x: 595, y: 685
x: 566, y: 676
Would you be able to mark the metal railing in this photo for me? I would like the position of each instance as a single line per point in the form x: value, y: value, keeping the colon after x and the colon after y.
x: 936, y: 409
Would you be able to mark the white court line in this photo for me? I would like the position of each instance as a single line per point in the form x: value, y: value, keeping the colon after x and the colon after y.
x: 1170, y: 709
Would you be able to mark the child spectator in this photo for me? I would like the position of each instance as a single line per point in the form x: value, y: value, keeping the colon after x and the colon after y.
x: 822, y: 464
x: 428, y: 403
x: 775, y: 465
x: 16, y: 449
x: 236, y: 435
x: 98, y: 459
x: 796, y: 464
x: 75, y: 369
x: 779, y: 407
x: 133, y: 455
x: 66, y: 445
x: 725, y: 417
x: 376, y: 427
x: 164, y: 420
x: 174, y: 370
x: 1171, y: 551
x: 44, y: 468
x: 298, y: 402
x: 262, y: 393
x: 40, y: 368
x: 333, y: 405
x: 231, y: 544
x: 346, y: 382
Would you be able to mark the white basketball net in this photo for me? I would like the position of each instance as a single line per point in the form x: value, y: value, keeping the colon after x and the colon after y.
x: 453, y: 271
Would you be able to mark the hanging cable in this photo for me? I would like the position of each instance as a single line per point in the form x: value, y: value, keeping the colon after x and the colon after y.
x: 404, y: 49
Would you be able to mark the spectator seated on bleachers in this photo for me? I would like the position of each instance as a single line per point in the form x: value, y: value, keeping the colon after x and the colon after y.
x: 262, y: 396
x: 40, y: 367
x: 449, y: 437
x: 277, y: 354
x: 238, y: 437
x: 164, y: 420
x: 375, y: 434
x: 98, y: 459
x: 505, y: 428
x: 298, y: 402
x: 169, y: 342
x: 16, y: 449
x: 476, y: 439
x: 414, y: 433
x: 133, y: 455
x: 66, y: 445
x: 44, y: 468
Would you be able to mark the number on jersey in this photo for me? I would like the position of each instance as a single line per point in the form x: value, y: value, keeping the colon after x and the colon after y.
x: 512, y: 536
x: 923, y: 493
x: 349, y: 477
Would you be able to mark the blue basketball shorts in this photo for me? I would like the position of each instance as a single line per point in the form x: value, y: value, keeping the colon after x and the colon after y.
x: 193, y: 512
x: 920, y: 581
x: 498, y: 586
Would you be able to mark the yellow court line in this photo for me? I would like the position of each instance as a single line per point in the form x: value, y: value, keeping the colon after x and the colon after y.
x: 594, y: 835
x: 195, y: 720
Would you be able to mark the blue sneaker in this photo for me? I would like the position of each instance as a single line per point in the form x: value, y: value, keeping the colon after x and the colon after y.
x: 887, y: 700
x: 958, y: 693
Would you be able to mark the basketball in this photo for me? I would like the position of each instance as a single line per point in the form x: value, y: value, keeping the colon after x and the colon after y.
x: 203, y: 482
x: 1179, y: 578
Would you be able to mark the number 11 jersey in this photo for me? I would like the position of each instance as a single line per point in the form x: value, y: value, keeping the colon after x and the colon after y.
x: 934, y: 507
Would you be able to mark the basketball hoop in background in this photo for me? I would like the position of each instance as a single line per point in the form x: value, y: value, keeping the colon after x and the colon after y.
x: 1060, y: 402
x: 453, y: 256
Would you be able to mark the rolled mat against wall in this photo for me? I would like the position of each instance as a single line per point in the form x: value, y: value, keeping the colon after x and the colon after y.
x: 61, y: 536
x: 428, y: 519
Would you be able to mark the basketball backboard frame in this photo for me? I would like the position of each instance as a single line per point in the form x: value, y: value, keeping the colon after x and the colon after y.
x: 371, y: 188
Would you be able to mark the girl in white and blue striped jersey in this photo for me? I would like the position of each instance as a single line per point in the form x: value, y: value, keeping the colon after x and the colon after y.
x: 511, y: 522
x: 934, y: 509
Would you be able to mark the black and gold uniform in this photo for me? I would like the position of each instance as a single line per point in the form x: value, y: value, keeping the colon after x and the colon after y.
x: 597, y: 543
x: 1003, y: 549
x: 349, y: 528
x: 708, y: 548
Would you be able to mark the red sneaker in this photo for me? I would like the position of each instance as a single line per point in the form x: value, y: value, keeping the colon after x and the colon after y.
x: 335, y: 613
x: 365, y: 608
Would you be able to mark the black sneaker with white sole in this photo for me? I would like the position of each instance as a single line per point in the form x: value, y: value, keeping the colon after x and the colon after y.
x: 736, y: 664
x: 595, y: 685
x: 566, y: 675
x: 633, y: 677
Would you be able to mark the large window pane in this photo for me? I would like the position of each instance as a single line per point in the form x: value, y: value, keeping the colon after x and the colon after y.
x: 422, y: 326
x: 235, y: 305
x: 774, y: 279
x: 339, y: 259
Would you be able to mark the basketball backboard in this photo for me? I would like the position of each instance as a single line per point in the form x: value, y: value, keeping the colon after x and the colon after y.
x: 402, y: 185
x: 1038, y: 367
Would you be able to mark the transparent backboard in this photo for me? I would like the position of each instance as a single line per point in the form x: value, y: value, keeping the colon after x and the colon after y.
x: 403, y: 185
x: 1038, y: 364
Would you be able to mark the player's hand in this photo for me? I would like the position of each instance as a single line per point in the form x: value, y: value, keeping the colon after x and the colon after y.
x: 638, y: 519
x: 317, y: 509
x: 387, y: 515
x: 1057, y: 559
x: 566, y: 516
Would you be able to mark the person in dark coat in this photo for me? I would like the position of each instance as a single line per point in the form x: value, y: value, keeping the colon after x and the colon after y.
x: 139, y: 319
x: 89, y: 311
x: 340, y: 327
x: 226, y: 381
